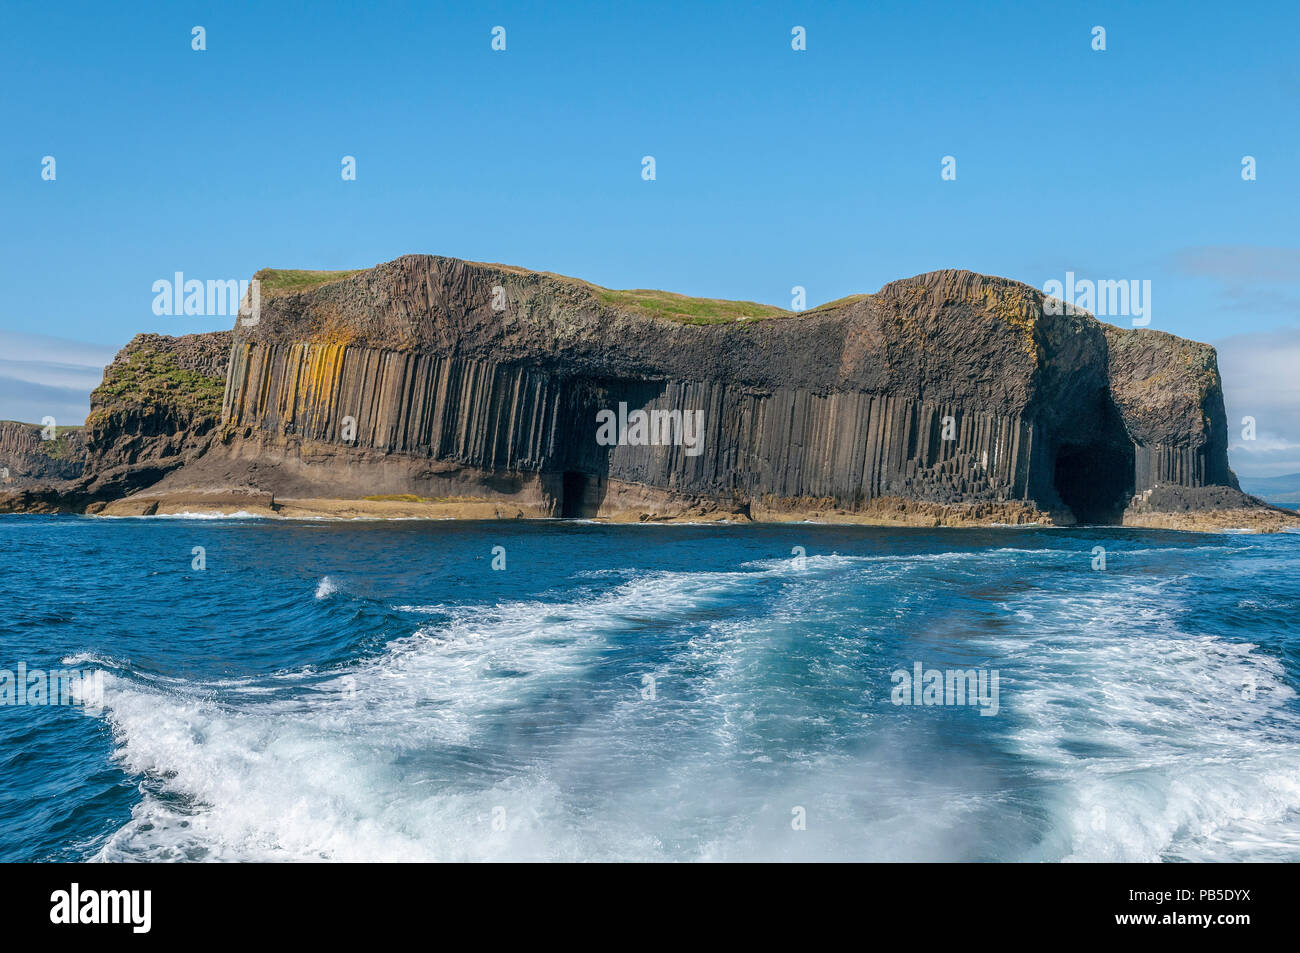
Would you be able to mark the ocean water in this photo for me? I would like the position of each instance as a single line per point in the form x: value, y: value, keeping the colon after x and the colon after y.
x: 377, y: 690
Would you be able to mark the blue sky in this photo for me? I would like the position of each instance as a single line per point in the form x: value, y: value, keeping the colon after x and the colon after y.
x: 775, y: 168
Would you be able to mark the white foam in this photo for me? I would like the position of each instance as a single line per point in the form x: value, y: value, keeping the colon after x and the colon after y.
x: 409, y: 755
x: 1161, y: 745
x: 321, y: 772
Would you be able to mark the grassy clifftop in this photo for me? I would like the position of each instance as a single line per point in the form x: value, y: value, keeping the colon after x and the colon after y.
x: 154, y: 370
x: 675, y: 307
x: 660, y: 304
x: 286, y: 280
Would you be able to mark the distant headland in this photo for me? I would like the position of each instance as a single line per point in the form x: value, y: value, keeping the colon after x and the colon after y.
x: 431, y: 386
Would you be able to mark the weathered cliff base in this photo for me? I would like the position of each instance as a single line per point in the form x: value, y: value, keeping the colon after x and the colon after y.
x: 889, y: 511
x: 1209, y: 509
x: 436, y: 388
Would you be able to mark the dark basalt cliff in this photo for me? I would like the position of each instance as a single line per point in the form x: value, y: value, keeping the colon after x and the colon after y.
x: 945, y: 398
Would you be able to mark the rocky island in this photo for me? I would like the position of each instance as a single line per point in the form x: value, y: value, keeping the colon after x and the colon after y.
x: 431, y: 386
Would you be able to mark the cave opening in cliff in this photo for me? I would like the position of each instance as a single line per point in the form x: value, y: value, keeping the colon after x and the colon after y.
x: 573, y: 496
x: 1095, y: 480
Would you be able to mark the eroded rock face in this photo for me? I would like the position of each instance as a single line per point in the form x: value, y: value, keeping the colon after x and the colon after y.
x: 950, y: 387
x: 28, y: 458
x: 1170, y: 395
x: 158, y: 408
x: 946, y: 396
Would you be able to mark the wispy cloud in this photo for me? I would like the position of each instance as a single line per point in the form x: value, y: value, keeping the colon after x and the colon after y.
x: 81, y: 376
x: 43, y: 376
x: 1237, y: 263
x: 1255, y: 280
x: 1261, y: 379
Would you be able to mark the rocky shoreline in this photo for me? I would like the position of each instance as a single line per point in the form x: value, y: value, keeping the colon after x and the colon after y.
x: 886, y: 512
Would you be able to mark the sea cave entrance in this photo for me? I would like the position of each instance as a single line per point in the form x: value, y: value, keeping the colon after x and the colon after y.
x: 573, y: 496
x: 1095, y: 480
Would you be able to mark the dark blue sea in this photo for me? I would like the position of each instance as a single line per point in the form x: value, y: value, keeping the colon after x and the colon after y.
x: 378, y: 690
